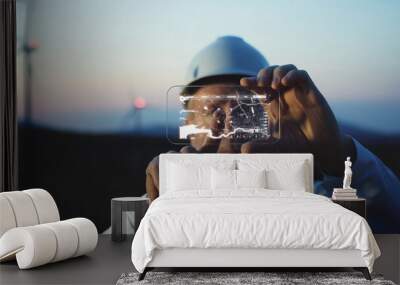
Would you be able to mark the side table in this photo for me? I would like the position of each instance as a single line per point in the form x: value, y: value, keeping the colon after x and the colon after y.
x: 138, y: 205
x: 358, y: 205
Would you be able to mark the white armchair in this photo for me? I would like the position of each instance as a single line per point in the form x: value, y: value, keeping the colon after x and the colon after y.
x: 31, y: 230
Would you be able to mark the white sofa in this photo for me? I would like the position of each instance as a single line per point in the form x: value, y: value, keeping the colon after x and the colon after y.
x: 31, y: 231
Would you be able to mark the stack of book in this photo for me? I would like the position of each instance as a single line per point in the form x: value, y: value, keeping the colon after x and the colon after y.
x: 344, y: 194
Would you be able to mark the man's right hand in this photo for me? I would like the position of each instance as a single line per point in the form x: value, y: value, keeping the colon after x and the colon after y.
x: 307, y: 121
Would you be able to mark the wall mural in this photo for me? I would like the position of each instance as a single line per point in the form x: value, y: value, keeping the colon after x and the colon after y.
x: 96, y: 106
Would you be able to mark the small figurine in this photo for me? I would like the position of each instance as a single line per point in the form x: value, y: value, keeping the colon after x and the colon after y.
x: 347, y: 174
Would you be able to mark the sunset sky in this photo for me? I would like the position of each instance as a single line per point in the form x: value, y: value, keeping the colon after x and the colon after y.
x: 96, y: 56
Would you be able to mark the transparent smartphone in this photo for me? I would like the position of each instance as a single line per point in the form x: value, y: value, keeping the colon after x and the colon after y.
x: 232, y: 112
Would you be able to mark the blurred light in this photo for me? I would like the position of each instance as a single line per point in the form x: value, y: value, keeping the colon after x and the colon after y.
x: 140, y: 103
x: 33, y: 44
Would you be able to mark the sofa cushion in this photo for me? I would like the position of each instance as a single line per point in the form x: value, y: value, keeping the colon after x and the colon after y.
x: 40, y: 244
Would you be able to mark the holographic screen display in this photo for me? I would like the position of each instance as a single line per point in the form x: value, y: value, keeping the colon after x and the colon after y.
x: 236, y: 113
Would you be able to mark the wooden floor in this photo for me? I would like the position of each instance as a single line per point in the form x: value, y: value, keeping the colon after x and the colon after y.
x: 103, y: 266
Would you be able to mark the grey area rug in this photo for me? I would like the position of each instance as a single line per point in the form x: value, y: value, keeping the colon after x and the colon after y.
x: 233, y: 278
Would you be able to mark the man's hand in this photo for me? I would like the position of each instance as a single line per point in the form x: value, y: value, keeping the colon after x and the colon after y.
x: 152, y: 187
x: 307, y: 123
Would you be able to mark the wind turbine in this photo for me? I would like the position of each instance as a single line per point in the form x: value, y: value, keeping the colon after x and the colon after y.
x: 134, y: 116
x: 28, y: 49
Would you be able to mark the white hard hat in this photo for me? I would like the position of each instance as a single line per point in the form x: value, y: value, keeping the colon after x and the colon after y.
x: 228, y: 55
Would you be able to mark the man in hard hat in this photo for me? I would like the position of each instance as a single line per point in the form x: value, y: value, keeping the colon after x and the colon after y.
x: 307, y: 122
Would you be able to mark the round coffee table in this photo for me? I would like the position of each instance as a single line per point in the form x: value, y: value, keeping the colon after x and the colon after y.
x: 119, y: 205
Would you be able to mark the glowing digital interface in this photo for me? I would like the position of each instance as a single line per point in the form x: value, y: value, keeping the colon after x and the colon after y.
x: 236, y: 113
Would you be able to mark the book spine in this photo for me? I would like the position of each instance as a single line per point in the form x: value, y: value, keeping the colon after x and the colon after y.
x: 344, y: 194
x: 344, y: 191
x: 344, y: 197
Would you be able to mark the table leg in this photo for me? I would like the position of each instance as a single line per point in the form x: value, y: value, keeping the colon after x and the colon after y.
x: 116, y: 222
